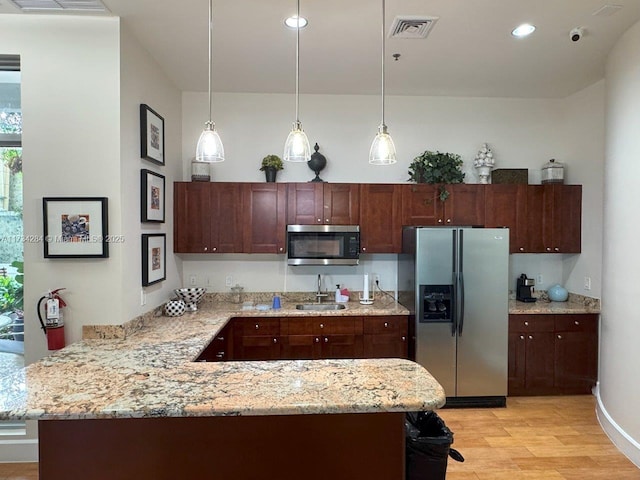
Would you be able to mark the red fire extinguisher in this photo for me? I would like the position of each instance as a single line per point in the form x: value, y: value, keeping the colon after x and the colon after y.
x: 53, y: 328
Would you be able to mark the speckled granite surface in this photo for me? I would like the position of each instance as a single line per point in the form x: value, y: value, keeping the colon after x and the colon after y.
x: 575, y: 304
x: 150, y: 373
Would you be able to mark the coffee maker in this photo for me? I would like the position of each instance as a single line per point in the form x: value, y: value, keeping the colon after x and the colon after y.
x: 524, y: 289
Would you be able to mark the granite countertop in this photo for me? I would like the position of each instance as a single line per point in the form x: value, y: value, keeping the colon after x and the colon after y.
x: 150, y: 372
x: 575, y: 304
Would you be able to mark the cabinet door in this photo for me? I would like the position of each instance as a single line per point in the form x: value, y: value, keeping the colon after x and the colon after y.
x: 226, y: 226
x: 341, y: 346
x: 421, y: 205
x: 341, y: 204
x: 576, y: 353
x: 567, y: 219
x: 220, y: 349
x: 380, y: 222
x: 517, y: 363
x: 539, y: 362
x: 250, y: 347
x: 264, y: 217
x: 506, y: 206
x: 300, y: 347
x: 191, y: 217
x: 385, y: 345
x: 305, y: 203
x: 539, y: 208
x: 465, y: 205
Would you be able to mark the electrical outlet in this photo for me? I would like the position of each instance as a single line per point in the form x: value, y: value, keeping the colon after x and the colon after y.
x: 376, y: 279
x: 540, y: 280
x: 143, y: 298
x: 228, y: 281
x: 208, y: 281
x: 193, y: 280
x: 587, y: 283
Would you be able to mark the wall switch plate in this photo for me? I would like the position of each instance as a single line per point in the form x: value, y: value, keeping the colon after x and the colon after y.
x: 193, y: 280
x: 587, y: 283
x: 540, y: 279
x: 228, y: 281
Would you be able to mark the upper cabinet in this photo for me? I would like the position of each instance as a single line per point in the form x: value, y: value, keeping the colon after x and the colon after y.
x: 464, y: 206
x: 315, y: 203
x: 264, y: 219
x: 506, y: 206
x: 380, y: 218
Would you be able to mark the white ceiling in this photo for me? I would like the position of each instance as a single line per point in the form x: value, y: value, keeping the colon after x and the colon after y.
x: 470, y: 51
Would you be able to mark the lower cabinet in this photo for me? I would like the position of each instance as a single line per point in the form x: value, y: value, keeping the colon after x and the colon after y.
x: 309, y: 338
x: 553, y: 354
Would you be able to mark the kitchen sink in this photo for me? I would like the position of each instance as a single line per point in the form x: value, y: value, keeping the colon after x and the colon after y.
x: 320, y: 306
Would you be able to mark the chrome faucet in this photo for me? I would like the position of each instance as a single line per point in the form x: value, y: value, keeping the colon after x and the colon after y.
x: 319, y: 293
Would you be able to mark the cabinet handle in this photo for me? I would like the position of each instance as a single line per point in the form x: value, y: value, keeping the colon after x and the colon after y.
x: 548, y: 249
x: 326, y: 340
x: 530, y: 337
x: 257, y: 326
x: 220, y: 355
x: 214, y: 249
x: 281, y: 249
x: 521, y: 337
x: 404, y: 339
x: 557, y: 249
x: 319, y: 220
x: 327, y: 220
x: 221, y: 339
x: 364, y: 249
x: 526, y: 324
x: 522, y: 249
x: 448, y: 220
x: 386, y: 324
x: 560, y: 337
x: 439, y: 220
x: 576, y: 322
x: 317, y: 340
x: 206, y: 248
x: 322, y: 325
x: 275, y: 340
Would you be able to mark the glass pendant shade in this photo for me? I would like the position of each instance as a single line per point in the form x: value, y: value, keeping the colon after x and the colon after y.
x: 383, y: 151
x: 209, y: 147
x: 297, y: 148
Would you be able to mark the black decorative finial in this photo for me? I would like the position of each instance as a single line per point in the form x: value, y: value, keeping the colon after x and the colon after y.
x: 317, y: 163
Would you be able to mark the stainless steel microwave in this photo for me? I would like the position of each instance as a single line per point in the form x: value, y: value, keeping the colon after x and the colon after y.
x: 323, y: 244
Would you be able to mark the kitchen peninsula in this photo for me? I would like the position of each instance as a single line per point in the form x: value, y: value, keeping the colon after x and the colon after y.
x: 141, y: 407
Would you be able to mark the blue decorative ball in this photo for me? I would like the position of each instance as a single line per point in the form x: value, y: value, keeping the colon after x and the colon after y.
x: 557, y: 293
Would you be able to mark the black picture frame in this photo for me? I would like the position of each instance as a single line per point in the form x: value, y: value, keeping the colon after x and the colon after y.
x: 154, y: 258
x: 152, y: 196
x: 151, y: 135
x: 75, y: 227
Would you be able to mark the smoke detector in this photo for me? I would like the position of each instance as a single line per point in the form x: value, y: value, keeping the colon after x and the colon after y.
x: 412, y: 26
x: 70, y: 6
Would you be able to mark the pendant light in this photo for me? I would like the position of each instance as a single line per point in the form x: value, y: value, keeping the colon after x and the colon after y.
x: 210, y: 147
x: 383, y: 151
x: 297, y: 148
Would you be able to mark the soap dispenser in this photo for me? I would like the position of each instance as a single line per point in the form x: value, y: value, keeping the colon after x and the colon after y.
x: 338, y: 294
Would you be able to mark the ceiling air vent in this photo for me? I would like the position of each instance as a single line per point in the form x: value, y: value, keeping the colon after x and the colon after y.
x: 75, y: 6
x: 408, y: 26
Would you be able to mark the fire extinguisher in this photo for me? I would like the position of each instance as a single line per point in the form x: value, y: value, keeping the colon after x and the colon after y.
x: 53, y: 328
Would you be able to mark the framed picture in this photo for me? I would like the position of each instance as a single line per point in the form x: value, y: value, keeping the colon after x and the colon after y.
x: 151, y: 135
x: 75, y: 227
x: 154, y: 258
x: 151, y: 196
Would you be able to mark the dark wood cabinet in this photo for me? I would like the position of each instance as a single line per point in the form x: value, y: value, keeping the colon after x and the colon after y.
x: 220, y: 349
x: 552, y: 354
x: 380, y: 218
x: 506, y: 206
x: 256, y: 339
x: 421, y: 205
x: 555, y: 218
x: 208, y: 218
x: 323, y: 203
x: 264, y: 218
x: 385, y: 337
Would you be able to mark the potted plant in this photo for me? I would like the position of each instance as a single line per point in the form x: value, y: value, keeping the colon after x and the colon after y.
x: 437, y: 167
x: 270, y: 166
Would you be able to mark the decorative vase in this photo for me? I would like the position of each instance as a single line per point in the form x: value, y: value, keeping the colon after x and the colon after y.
x: 316, y: 163
x: 557, y: 293
x: 174, y: 308
x: 200, y: 171
x: 270, y: 174
x: 483, y: 173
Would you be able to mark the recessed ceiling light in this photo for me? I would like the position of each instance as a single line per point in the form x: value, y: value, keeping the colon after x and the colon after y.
x: 292, y: 22
x: 523, y: 30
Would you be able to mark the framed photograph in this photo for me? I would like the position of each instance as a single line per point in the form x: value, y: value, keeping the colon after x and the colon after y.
x: 75, y: 227
x: 151, y: 135
x: 151, y: 196
x: 154, y: 258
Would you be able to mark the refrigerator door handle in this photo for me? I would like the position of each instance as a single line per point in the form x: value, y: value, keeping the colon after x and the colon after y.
x: 454, y: 280
x: 460, y: 285
x: 461, y: 323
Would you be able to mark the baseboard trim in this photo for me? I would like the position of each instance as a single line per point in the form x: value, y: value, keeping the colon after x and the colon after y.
x: 14, y: 451
x: 621, y: 439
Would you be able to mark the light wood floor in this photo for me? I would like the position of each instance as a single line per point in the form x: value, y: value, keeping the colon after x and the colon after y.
x: 535, y: 438
x: 550, y: 438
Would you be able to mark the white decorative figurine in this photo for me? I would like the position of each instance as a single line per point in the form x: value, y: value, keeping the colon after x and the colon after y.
x: 484, y: 162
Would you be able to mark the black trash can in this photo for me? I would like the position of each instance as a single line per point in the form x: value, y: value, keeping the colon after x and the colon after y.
x: 428, y: 446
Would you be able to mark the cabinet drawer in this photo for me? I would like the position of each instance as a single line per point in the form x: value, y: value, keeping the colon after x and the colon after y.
x: 385, y: 325
x: 531, y: 323
x: 296, y: 326
x: 337, y: 326
x: 576, y: 323
x: 258, y: 326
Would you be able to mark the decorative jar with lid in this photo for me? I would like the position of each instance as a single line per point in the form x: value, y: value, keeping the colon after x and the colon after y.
x: 553, y: 172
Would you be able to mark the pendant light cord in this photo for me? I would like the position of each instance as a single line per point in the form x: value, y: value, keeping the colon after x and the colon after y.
x: 210, y: 62
x: 297, y: 60
x: 383, y: 41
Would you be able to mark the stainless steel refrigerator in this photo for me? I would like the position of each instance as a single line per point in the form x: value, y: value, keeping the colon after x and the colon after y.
x: 455, y: 283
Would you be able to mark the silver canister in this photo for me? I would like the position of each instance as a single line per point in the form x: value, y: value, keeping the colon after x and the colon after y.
x: 200, y: 171
x: 553, y: 172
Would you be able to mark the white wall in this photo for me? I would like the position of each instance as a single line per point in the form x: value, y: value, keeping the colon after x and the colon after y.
x: 523, y: 133
x: 620, y: 328
x: 142, y: 81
